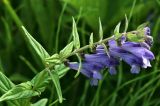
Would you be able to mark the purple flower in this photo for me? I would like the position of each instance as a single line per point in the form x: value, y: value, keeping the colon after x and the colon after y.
x: 101, y: 58
x: 148, y: 39
x: 88, y: 69
x: 138, y: 51
x: 94, y: 63
x: 147, y: 31
x: 111, y: 61
x: 135, y: 54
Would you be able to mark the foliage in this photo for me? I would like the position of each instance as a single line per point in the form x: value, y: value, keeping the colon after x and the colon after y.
x: 36, y: 39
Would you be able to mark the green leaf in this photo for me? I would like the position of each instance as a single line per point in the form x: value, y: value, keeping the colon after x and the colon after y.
x: 55, y: 79
x: 116, y: 31
x: 100, y: 30
x: 42, y: 102
x: 126, y: 23
x: 61, y: 70
x: 142, y: 26
x: 21, y: 91
x: 40, y: 81
x: 54, y: 59
x: 134, y: 37
x: 5, y: 83
x: 91, y: 41
x: 41, y: 52
x: 66, y: 51
x: 76, y: 41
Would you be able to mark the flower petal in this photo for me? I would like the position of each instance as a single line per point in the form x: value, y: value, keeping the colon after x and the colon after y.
x: 135, y: 69
x: 145, y: 45
x: 123, y: 39
x: 112, y: 43
x: 97, y: 75
x: 112, y: 70
x: 139, y: 52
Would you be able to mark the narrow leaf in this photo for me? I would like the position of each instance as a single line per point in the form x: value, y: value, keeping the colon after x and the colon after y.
x: 76, y: 41
x: 5, y: 83
x: 116, y: 30
x: 41, y: 80
x: 42, y: 102
x: 140, y: 27
x: 21, y: 91
x: 91, y: 40
x: 36, y: 46
x: 55, y: 78
x: 126, y: 23
x: 100, y: 30
x: 66, y: 51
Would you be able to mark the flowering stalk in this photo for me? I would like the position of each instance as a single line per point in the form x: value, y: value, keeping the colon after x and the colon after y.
x: 96, y: 43
x: 88, y: 46
x: 131, y: 47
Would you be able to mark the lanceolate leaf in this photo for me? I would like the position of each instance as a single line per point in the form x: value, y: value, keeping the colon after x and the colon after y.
x: 116, y: 30
x: 76, y: 41
x: 36, y: 46
x: 5, y: 83
x: 55, y: 78
x: 21, y: 91
x: 66, y: 51
x: 91, y: 39
x: 126, y: 23
x: 100, y: 30
x: 140, y: 27
x: 40, y: 81
x: 5, y: 86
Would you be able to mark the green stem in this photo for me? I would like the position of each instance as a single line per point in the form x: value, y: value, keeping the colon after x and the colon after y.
x: 59, y: 25
x: 96, y: 43
x: 88, y: 46
x: 28, y: 64
x: 131, y: 12
x: 12, y: 12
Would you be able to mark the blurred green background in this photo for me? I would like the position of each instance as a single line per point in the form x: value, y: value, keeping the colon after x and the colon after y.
x: 50, y: 23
